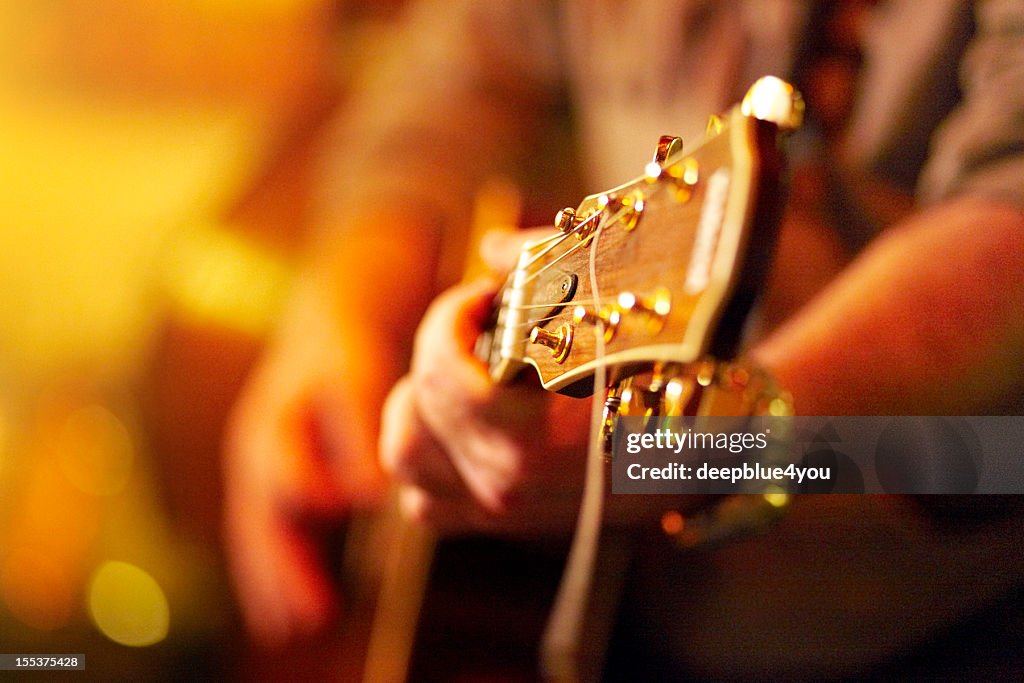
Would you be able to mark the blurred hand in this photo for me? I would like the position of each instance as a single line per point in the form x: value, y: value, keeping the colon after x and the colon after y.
x: 471, y: 455
x: 299, y: 454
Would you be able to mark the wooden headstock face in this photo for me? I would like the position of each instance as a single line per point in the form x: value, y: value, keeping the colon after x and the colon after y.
x: 676, y: 256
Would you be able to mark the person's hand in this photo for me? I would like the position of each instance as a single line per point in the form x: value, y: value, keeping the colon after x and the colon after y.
x: 471, y: 455
x: 300, y: 453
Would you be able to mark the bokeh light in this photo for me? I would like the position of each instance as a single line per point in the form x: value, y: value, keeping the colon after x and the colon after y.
x: 128, y: 606
x: 95, y: 450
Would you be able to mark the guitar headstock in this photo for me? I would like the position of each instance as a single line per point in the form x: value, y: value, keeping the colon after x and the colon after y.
x: 677, y: 257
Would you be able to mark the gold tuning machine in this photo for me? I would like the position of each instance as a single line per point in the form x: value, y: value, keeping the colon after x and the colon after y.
x: 668, y: 145
x: 568, y: 222
x: 683, y: 173
x: 607, y: 318
x: 626, y: 208
x: 655, y: 307
x: 565, y: 220
x: 559, y: 341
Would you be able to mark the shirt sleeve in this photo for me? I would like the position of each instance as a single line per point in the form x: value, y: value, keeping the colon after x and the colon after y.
x: 979, y: 150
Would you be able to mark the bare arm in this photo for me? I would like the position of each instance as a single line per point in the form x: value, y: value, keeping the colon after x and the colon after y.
x: 935, y: 302
x: 928, y: 320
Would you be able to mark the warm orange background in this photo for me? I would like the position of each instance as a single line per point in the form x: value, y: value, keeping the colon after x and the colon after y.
x: 153, y: 175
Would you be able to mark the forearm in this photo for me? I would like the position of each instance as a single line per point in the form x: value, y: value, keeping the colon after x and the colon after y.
x: 929, y: 320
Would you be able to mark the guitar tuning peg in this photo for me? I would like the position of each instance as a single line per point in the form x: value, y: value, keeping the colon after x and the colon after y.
x: 714, y: 126
x: 640, y: 397
x: 565, y: 220
x: 612, y: 402
x: 654, y: 307
x: 607, y: 318
x: 609, y: 201
x: 679, y: 392
x: 626, y: 209
x: 560, y: 341
x: 668, y: 145
x: 686, y: 173
x: 682, y: 174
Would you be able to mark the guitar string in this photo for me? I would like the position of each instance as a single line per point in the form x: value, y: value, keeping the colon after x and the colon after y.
x: 550, y: 264
x: 553, y: 304
x: 553, y: 237
x: 600, y: 217
x: 603, y: 219
x: 546, y: 318
x: 558, y: 239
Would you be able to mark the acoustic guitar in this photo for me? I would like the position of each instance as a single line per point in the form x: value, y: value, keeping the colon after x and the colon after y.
x: 637, y: 296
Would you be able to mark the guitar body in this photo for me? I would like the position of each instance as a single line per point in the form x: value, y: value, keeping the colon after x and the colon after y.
x: 484, y: 614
